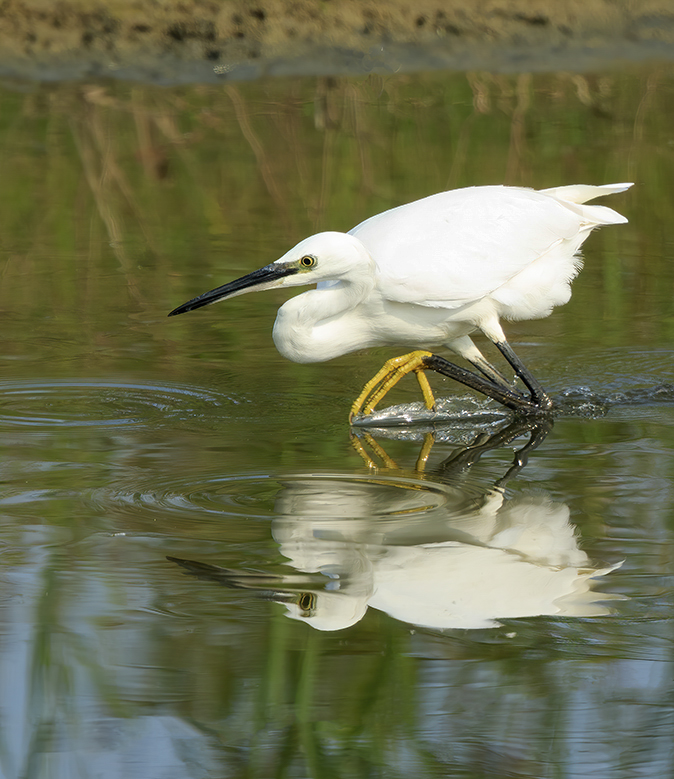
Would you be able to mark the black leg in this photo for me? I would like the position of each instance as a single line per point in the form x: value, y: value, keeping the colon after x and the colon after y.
x: 538, y: 394
x: 488, y: 370
x: 507, y: 397
x: 538, y: 434
x: 464, y: 458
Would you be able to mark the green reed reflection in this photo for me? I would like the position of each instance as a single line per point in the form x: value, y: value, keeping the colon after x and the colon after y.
x: 140, y: 196
x: 127, y: 437
x: 169, y: 179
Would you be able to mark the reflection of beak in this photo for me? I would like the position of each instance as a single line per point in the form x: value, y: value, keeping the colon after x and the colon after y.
x: 264, y: 278
x: 261, y: 583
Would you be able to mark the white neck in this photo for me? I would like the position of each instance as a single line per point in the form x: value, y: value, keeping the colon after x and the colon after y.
x: 319, y: 324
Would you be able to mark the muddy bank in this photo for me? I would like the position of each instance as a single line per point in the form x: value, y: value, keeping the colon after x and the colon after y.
x: 201, y: 40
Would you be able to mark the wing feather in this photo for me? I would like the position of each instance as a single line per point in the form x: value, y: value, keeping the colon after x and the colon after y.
x: 456, y: 247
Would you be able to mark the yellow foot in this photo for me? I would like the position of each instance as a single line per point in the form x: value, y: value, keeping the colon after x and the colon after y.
x: 392, y: 371
x: 378, y: 450
x: 425, y: 453
x: 387, y: 462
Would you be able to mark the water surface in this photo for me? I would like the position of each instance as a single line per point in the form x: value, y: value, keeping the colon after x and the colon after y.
x: 330, y: 607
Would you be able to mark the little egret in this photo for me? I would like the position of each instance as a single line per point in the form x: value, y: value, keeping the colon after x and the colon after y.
x: 428, y: 274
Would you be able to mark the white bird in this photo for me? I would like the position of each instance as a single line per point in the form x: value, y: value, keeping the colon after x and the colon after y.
x: 422, y: 555
x: 428, y: 274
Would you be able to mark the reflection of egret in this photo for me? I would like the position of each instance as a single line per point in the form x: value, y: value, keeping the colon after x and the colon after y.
x: 423, y: 552
x: 467, y: 455
x: 430, y: 273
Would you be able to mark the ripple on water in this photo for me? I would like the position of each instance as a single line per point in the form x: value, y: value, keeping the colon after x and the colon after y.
x: 102, y: 404
x: 263, y: 497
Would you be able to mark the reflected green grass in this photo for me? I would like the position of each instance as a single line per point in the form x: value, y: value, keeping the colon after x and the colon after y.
x: 165, y: 183
x: 120, y: 202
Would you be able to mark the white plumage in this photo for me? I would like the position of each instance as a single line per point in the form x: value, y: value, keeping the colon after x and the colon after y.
x: 429, y: 273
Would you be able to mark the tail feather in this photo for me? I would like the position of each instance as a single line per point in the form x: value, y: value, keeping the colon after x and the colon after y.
x: 602, y: 215
x: 577, y: 194
x: 581, y: 193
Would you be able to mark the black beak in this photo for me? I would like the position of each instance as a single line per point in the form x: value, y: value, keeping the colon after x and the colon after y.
x: 258, y: 279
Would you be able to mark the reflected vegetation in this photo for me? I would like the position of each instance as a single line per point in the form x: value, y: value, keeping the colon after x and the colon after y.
x: 194, y: 678
x: 166, y: 184
x: 127, y: 438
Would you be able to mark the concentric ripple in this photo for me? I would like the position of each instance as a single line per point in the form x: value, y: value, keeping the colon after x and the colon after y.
x: 263, y: 497
x: 101, y: 404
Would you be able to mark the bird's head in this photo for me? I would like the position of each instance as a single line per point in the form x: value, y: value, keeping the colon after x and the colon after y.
x: 329, y: 256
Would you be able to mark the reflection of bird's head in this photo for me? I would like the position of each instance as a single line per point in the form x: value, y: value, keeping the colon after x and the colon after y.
x: 327, y: 610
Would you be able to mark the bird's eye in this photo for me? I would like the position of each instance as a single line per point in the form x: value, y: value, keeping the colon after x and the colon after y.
x: 308, y: 261
x: 307, y: 602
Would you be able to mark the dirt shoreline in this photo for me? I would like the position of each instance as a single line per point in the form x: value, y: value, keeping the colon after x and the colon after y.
x: 173, y: 41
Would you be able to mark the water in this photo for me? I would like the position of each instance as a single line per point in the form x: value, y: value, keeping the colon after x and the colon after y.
x: 202, y: 572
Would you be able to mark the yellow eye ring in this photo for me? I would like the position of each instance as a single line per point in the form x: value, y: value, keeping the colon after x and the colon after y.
x: 308, y: 261
x: 306, y: 601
